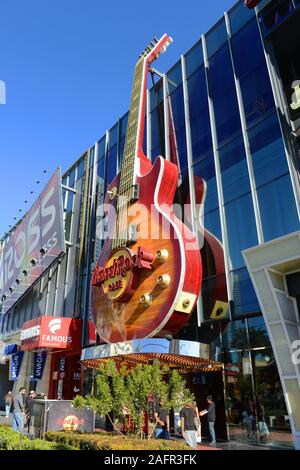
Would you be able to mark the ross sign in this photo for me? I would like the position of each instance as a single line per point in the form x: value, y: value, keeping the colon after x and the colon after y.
x: 36, y: 241
x: 51, y: 332
x: 10, y: 349
x: 39, y: 361
x: 15, y: 365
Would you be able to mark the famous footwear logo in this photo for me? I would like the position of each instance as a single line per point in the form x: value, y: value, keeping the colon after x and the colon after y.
x: 55, y: 325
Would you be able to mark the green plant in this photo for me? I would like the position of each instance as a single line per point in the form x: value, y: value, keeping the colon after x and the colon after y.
x: 125, y: 391
x: 111, y: 442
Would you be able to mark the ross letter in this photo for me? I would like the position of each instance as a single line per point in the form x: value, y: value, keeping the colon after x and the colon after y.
x: 296, y: 353
x: 48, y: 212
x: 34, y: 231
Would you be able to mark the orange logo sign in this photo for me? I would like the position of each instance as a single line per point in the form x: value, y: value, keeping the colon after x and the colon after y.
x: 119, y: 278
x: 71, y: 423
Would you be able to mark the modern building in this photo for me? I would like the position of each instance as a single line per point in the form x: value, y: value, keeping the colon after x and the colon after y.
x: 233, y: 104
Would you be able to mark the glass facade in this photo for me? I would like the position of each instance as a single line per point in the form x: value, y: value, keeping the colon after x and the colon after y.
x: 239, y: 156
x: 222, y: 162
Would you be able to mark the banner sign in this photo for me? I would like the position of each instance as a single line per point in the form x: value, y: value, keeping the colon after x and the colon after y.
x: 11, y: 349
x: 36, y: 241
x: 15, y: 365
x: 51, y: 332
x: 39, y: 361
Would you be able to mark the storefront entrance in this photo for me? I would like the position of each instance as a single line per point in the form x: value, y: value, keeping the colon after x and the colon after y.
x: 65, y: 376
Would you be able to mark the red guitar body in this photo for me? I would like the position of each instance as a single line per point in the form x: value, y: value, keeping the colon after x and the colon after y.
x: 116, y: 320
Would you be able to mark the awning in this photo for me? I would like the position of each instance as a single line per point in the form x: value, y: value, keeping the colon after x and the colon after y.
x: 183, y: 364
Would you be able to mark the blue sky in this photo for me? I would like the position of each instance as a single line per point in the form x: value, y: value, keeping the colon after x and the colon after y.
x: 68, y: 68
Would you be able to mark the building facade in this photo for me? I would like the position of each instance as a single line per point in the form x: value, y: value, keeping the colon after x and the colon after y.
x: 228, y: 114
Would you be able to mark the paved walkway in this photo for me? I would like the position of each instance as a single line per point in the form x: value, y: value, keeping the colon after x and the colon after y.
x: 232, y: 445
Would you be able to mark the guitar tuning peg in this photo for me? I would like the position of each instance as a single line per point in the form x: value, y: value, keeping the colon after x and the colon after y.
x: 152, y: 43
x: 155, y: 40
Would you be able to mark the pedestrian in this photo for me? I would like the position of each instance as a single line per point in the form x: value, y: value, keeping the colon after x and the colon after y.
x: 8, y: 399
x: 211, y: 417
x: 189, y: 425
x: 28, y: 409
x: 162, y: 422
x: 19, y: 402
x: 198, y: 432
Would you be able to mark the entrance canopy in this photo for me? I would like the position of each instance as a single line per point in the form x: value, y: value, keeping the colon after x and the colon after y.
x: 181, y: 355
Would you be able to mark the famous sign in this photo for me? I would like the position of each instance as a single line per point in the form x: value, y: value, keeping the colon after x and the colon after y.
x: 51, y: 332
x: 36, y: 241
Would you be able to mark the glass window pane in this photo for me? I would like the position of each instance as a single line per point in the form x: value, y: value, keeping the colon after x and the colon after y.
x: 156, y: 95
x: 71, y: 181
x: 205, y: 170
x: 244, y: 297
x: 223, y: 93
x: 101, y: 148
x: 239, y: 16
x: 278, y: 208
x: 112, y: 164
x: 179, y: 126
x: 81, y: 169
x: 234, y: 170
x: 175, y: 76
x: 268, y: 154
x: 241, y: 229
x: 113, y: 136
x: 194, y: 58
x: 123, y: 125
x: 251, y: 68
x: 199, y: 115
x: 216, y: 37
x: 157, y: 132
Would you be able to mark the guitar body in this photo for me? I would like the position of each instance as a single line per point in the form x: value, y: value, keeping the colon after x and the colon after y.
x: 117, y: 287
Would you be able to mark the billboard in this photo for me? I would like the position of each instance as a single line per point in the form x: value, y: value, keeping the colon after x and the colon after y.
x: 35, y: 242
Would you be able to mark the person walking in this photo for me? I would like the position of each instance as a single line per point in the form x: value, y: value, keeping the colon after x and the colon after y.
x: 211, y: 417
x: 19, y: 409
x: 8, y: 399
x: 28, y: 409
x: 162, y: 422
x: 198, y: 432
x: 189, y: 425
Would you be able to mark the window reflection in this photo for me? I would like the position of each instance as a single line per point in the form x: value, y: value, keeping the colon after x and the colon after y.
x: 199, y: 115
x: 241, y: 229
x: 223, y: 93
x: 251, y: 68
x: 234, y: 170
x: 278, y: 208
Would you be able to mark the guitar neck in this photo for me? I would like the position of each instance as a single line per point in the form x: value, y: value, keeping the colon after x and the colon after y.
x: 135, y: 131
x: 133, y: 149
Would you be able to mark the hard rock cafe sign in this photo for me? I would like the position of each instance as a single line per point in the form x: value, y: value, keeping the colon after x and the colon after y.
x: 120, y: 276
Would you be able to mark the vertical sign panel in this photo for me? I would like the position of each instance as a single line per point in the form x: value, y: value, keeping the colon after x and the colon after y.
x: 36, y: 241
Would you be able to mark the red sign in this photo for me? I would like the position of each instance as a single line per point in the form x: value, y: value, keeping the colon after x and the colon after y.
x: 51, y: 332
x: 92, y: 333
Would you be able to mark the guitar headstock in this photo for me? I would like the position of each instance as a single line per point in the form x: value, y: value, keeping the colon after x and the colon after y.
x: 156, y: 48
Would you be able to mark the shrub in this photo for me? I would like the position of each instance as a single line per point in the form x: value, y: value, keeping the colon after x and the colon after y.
x: 112, y: 442
x: 11, y: 440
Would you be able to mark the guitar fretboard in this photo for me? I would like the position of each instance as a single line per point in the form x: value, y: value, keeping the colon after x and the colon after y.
x: 127, y: 172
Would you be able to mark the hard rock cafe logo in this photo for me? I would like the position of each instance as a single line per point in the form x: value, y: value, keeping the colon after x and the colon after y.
x: 120, y: 276
x: 70, y: 423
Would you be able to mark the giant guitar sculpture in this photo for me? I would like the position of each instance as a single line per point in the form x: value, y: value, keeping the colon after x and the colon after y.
x: 148, y: 275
